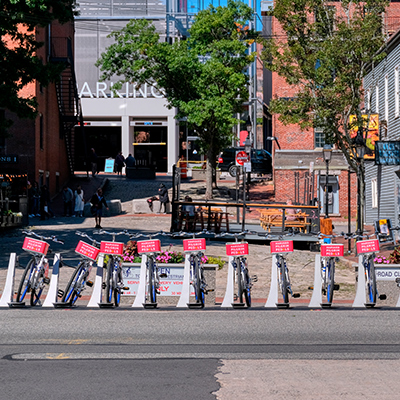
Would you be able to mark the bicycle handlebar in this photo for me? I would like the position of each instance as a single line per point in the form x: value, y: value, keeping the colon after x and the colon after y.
x: 104, y: 232
x: 52, y: 238
x: 85, y: 235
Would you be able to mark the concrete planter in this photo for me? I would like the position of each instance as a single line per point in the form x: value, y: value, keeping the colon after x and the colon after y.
x: 200, y: 174
x: 209, y: 275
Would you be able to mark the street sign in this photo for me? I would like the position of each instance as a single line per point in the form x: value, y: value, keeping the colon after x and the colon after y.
x: 241, y: 157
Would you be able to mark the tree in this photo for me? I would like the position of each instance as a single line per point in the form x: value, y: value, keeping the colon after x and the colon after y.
x: 204, y: 77
x: 19, y: 62
x: 325, y: 53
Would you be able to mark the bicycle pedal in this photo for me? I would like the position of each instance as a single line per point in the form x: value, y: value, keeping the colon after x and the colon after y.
x: 254, y: 278
x: 310, y: 288
x: 89, y: 283
x: 163, y: 275
x: 60, y: 293
x: 157, y: 291
x: 296, y: 295
x: 209, y: 290
x: 46, y: 280
x: 104, y: 285
x: 324, y: 292
x: 336, y: 287
x: 125, y: 288
x: 382, y: 297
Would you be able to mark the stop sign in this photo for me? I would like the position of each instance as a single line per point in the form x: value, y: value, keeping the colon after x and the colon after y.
x: 241, y: 157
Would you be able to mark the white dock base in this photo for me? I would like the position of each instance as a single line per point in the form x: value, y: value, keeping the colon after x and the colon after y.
x: 230, y: 284
x: 95, y: 298
x: 316, y: 298
x: 272, y: 299
x: 52, y: 294
x: 7, y: 296
x: 141, y: 293
x: 361, y: 297
x: 185, y: 293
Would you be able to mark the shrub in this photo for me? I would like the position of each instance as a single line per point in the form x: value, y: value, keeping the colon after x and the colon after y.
x: 394, y: 257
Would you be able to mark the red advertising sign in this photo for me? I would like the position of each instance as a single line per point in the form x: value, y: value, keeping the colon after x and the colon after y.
x: 282, y: 246
x: 237, y: 249
x: 194, y: 244
x: 111, y: 248
x: 241, y: 157
x: 87, y: 250
x: 35, y: 246
x: 332, y: 250
x: 149, y: 246
x: 367, y: 246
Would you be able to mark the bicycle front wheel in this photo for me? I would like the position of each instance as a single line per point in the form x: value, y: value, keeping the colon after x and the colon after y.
x: 117, y: 280
x: 330, y: 273
x: 371, y: 281
x: 25, y: 283
x: 283, y: 280
x: 109, y: 280
x: 71, y: 292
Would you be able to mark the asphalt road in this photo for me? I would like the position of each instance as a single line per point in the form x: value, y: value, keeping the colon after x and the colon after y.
x: 201, y: 354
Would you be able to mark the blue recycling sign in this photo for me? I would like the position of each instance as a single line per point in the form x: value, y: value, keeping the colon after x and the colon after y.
x: 387, y: 152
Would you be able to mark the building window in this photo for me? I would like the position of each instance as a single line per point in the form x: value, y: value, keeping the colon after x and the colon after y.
x: 377, y: 99
x: 374, y: 192
x: 396, y: 92
x: 368, y: 100
x: 387, y: 98
x: 319, y: 137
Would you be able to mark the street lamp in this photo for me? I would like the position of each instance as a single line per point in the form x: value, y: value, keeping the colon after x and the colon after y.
x: 360, y: 149
x: 327, y: 152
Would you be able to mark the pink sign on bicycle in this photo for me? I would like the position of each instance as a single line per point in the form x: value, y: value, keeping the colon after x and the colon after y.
x: 87, y: 250
x: 149, y: 246
x: 332, y: 250
x: 281, y: 246
x: 112, y: 248
x: 237, y: 249
x: 35, y: 246
x: 194, y: 244
x: 367, y: 246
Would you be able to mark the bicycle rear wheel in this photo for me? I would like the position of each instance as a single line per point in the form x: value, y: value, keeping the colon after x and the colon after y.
x: 151, y: 282
x: 371, y: 281
x: 71, y: 292
x: 117, y: 290
x: 109, y: 280
x: 199, y: 293
x: 283, y: 279
x: 330, y: 274
x: 246, y: 283
x: 25, y: 282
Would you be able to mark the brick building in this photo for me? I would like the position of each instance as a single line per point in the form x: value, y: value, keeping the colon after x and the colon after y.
x: 301, y: 150
x: 41, y: 147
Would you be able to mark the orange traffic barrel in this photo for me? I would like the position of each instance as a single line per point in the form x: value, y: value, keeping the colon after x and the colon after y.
x: 183, y: 167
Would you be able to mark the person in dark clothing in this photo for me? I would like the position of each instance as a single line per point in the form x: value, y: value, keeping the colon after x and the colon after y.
x: 68, y: 197
x: 97, y: 202
x: 93, y: 161
x: 119, y: 163
x: 163, y: 196
x: 130, y: 161
x: 45, y: 209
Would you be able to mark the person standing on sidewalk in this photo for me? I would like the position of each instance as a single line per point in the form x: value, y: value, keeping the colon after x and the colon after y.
x: 163, y: 196
x: 79, y: 202
x: 68, y: 197
x: 97, y: 202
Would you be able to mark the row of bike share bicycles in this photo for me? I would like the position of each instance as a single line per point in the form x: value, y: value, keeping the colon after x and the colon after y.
x: 109, y: 283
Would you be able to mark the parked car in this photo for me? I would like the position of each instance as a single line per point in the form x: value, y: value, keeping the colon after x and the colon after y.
x: 261, y: 160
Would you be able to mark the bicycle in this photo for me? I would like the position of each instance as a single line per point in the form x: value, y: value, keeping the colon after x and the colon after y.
x: 328, y: 259
x: 114, y: 281
x: 150, y: 249
x: 35, y: 273
x: 237, y: 251
x: 79, y: 278
x: 280, y: 248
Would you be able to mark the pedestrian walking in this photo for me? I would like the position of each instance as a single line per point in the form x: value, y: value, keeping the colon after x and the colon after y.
x: 68, y: 197
x: 93, y: 161
x: 163, y: 196
x: 97, y: 202
x: 34, y: 200
x: 119, y: 163
x: 79, y: 202
x: 45, y: 209
x: 130, y: 161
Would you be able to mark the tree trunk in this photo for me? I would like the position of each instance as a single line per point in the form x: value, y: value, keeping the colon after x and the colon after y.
x: 209, y: 192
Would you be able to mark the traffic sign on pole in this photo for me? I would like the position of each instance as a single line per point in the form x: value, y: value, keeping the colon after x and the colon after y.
x: 241, y: 157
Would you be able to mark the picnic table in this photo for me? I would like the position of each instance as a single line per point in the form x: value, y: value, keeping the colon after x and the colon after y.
x: 274, y: 217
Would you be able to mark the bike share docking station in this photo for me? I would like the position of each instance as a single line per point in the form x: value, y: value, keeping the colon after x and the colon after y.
x: 191, y: 247
x: 110, y: 249
x: 34, y: 247
x: 233, y: 250
x: 278, y: 249
x: 148, y: 249
x: 328, y: 254
x: 90, y: 253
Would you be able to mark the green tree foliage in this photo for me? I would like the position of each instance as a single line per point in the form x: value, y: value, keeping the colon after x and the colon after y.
x: 19, y: 64
x: 204, y: 77
x: 325, y: 52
